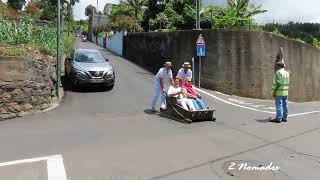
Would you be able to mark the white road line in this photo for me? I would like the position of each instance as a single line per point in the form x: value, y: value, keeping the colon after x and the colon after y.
x: 256, y: 106
x: 258, y: 110
x: 55, y: 168
x: 245, y: 107
x: 221, y: 93
x: 25, y: 161
x: 271, y: 108
x: 305, y: 113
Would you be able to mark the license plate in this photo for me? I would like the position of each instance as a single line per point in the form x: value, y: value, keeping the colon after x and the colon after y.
x: 96, y: 80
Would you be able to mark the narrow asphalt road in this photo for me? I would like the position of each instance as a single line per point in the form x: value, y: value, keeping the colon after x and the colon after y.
x: 109, y: 135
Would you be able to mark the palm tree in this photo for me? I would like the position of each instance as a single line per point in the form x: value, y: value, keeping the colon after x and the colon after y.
x: 244, y: 9
x: 89, y: 10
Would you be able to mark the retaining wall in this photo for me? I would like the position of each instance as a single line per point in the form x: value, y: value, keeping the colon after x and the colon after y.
x: 237, y: 62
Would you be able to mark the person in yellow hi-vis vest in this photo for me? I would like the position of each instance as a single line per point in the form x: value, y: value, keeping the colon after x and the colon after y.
x: 280, y: 87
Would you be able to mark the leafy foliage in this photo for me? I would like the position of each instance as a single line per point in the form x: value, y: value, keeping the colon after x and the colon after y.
x: 126, y: 16
x: 32, y: 8
x: 180, y: 14
x: 239, y: 15
x: 277, y: 33
x: 48, y: 8
x: 26, y: 32
x: 304, y: 31
x: 316, y: 43
x: 243, y: 9
x: 90, y: 10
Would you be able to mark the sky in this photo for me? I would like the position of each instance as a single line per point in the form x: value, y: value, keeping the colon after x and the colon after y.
x: 281, y: 11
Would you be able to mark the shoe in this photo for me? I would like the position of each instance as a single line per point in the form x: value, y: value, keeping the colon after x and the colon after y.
x: 284, y: 120
x: 162, y: 109
x: 154, y: 109
x: 275, y: 120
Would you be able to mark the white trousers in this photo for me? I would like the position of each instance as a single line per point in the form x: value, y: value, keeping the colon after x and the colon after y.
x: 184, y: 102
x: 157, y: 93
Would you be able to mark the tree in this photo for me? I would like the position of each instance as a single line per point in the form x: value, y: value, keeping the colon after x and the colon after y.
x: 48, y: 8
x: 244, y: 9
x: 136, y: 5
x: 210, y: 14
x: 180, y: 14
x: 16, y: 4
x: 32, y: 8
x: 154, y: 7
x: 90, y: 10
x: 126, y: 17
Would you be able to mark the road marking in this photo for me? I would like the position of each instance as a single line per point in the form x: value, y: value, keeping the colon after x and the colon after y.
x: 221, y: 93
x: 245, y: 107
x: 258, y: 110
x: 55, y: 166
x: 256, y: 106
x: 271, y: 108
x: 305, y: 113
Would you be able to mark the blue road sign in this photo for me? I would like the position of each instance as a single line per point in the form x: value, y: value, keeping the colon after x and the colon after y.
x: 201, y: 50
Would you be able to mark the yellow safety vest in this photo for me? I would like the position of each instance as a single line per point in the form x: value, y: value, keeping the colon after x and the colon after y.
x: 282, y: 76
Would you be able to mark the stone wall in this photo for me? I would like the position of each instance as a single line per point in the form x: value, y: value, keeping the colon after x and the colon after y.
x: 26, y: 85
x: 237, y: 62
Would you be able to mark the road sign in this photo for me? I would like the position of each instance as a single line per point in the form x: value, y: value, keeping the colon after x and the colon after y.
x: 201, y: 50
x: 201, y: 46
x: 200, y: 40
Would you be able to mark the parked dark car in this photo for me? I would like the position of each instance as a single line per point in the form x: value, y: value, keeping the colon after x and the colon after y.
x: 88, y: 67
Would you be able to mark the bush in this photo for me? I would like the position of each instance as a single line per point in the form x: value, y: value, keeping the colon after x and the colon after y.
x: 26, y: 32
x: 316, y: 43
x: 277, y: 33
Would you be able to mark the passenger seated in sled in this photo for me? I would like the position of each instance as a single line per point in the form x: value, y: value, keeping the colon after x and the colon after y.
x: 181, y: 95
x: 194, y: 95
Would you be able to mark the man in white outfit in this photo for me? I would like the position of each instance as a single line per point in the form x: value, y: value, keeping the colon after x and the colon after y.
x: 184, y: 73
x: 176, y: 91
x: 162, y: 82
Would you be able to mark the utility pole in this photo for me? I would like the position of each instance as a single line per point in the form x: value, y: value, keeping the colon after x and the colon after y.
x: 58, y: 51
x: 198, y: 15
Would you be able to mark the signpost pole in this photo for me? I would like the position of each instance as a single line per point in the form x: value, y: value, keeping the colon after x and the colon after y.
x: 193, y: 78
x: 199, y: 70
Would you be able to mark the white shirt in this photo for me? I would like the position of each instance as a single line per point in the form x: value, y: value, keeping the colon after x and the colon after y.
x: 182, y: 75
x: 166, y: 75
x: 174, y: 90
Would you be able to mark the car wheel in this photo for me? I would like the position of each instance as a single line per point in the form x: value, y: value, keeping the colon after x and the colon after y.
x: 74, y: 85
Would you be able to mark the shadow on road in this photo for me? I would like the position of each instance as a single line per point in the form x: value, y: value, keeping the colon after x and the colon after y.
x: 264, y: 120
x: 67, y: 87
x: 147, y: 73
x: 149, y: 111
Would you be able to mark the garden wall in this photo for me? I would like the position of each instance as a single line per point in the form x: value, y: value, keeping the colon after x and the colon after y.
x: 113, y: 43
x: 237, y: 62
